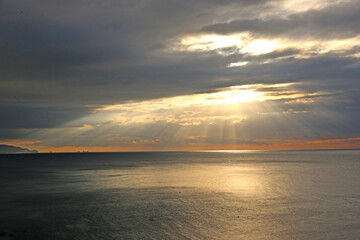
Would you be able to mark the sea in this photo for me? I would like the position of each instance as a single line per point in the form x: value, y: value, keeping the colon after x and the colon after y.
x: 181, y: 195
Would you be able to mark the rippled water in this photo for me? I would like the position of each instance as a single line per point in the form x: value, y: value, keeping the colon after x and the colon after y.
x: 181, y: 195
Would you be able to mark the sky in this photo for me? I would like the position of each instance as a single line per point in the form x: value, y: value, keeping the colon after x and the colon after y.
x: 163, y: 75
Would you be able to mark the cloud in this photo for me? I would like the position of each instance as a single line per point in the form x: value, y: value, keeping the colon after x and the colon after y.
x: 61, y: 61
x: 337, y: 21
x: 225, y: 117
x: 38, y: 117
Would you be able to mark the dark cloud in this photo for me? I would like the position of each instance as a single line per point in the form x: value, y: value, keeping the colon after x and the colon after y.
x: 99, y: 52
x: 45, y: 51
x: 336, y: 22
x: 38, y: 117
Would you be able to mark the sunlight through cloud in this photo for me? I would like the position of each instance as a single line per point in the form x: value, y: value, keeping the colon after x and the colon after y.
x: 214, y: 120
x: 212, y: 42
x: 260, y: 47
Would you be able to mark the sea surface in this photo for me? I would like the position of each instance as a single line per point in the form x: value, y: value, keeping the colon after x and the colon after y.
x: 181, y: 195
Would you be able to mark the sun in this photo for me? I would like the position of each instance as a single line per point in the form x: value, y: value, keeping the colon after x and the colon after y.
x: 259, y: 47
x: 236, y: 94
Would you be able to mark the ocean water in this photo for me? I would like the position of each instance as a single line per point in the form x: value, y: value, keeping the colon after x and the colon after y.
x: 181, y: 195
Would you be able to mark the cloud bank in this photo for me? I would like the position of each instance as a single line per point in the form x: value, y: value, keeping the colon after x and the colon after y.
x: 65, y: 64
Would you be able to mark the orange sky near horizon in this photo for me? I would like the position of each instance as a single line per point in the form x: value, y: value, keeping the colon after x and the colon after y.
x: 280, y: 144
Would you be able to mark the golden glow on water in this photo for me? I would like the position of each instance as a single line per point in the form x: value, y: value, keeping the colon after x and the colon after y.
x: 243, y: 180
x: 259, y: 195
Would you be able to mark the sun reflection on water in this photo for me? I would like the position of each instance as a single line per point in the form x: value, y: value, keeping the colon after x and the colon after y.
x: 243, y: 180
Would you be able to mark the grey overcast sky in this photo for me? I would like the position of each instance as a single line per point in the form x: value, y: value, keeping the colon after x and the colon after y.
x: 106, y: 75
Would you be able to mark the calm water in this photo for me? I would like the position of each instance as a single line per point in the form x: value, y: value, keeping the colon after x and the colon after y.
x: 213, y: 195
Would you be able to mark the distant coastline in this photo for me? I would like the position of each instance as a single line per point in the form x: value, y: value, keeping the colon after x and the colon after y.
x: 8, y: 149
